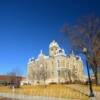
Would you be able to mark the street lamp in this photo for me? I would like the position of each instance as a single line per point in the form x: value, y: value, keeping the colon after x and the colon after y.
x: 90, y: 82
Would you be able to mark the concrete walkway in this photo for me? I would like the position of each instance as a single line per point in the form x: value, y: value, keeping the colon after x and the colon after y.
x: 27, y: 97
x: 4, y: 98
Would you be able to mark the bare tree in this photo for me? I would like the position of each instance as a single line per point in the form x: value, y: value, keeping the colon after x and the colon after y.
x: 14, y: 78
x: 40, y: 72
x: 86, y: 33
x: 68, y: 75
x: 37, y: 73
x: 43, y: 72
x: 74, y: 75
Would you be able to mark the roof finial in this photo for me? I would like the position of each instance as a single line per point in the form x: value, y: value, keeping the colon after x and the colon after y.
x: 72, y: 52
x: 54, y: 41
x: 41, y: 52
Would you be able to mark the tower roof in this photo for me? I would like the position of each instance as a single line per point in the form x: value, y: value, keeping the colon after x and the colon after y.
x: 41, y: 54
x: 53, y: 43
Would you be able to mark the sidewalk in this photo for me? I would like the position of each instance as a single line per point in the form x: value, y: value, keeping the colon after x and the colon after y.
x: 27, y: 97
x: 3, y: 98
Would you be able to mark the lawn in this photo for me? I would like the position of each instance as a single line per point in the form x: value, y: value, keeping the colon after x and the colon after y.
x: 95, y: 87
x: 60, y: 91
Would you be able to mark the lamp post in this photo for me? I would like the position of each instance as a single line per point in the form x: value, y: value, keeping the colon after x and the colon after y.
x: 90, y: 82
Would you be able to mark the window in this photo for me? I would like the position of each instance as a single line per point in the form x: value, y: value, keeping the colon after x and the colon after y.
x: 60, y: 51
x: 77, y: 58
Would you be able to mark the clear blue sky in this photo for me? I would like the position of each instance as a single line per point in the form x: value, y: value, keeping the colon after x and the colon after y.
x: 27, y: 26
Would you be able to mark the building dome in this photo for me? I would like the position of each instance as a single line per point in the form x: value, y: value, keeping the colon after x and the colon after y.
x: 53, y: 44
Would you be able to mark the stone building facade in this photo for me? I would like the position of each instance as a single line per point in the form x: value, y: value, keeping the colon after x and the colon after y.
x: 57, y: 67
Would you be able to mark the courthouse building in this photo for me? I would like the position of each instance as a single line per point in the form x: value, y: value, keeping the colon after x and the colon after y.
x: 56, y: 67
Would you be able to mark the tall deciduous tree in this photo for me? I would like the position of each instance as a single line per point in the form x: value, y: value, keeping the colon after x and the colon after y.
x: 86, y: 33
x: 14, y: 79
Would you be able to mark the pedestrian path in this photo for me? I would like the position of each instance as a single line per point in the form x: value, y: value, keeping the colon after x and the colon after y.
x: 4, y: 98
x: 27, y: 97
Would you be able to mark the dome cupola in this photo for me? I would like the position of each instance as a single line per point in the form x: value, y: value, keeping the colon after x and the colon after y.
x: 53, y: 47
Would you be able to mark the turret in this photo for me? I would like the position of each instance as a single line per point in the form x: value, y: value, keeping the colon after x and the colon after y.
x: 53, y: 47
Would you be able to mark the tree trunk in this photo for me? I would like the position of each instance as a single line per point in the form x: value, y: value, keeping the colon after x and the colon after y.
x: 69, y: 75
x: 95, y: 72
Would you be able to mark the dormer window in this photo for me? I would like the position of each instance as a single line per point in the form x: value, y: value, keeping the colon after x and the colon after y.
x: 60, y: 51
x: 77, y: 58
x: 32, y: 59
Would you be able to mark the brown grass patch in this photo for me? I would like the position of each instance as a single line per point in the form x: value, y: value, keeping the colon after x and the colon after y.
x: 60, y: 91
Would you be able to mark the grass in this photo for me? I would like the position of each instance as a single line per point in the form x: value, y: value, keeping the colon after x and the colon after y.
x: 60, y: 91
x: 95, y: 87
